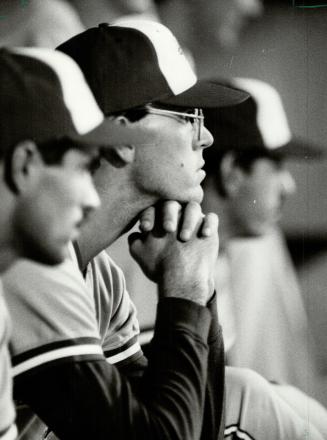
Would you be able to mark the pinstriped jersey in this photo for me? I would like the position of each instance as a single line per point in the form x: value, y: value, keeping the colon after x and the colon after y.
x: 58, y: 316
x: 7, y: 413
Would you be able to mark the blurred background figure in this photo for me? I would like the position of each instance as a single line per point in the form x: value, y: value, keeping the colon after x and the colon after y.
x: 213, y: 25
x: 100, y: 11
x: 44, y: 23
x: 260, y: 305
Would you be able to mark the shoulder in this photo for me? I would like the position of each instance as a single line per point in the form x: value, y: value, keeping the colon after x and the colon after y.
x: 6, y: 404
x: 52, y: 22
x: 30, y: 278
x: 116, y: 312
x: 53, y: 312
x: 59, y: 10
x: 106, y: 279
x: 105, y: 263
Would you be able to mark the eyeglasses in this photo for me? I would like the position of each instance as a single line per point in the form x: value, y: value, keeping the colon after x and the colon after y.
x: 196, y: 118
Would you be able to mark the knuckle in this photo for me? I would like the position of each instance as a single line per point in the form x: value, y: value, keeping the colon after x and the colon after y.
x: 195, y: 205
x: 147, y: 213
x: 213, y: 218
x: 171, y: 204
x: 170, y: 210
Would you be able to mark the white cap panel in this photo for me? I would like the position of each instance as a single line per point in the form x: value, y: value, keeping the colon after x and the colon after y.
x: 271, y: 117
x: 78, y: 98
x: 171, y: 59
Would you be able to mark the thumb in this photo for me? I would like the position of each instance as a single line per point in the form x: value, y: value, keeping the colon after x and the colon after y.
x: 135, y: 244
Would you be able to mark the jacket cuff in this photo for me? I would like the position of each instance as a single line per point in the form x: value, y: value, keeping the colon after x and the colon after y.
x: 177, y: 313
x: 215, y: 331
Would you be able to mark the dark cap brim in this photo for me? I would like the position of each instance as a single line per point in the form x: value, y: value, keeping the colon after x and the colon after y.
x: 207, y: 94
x: 301, y: 150
x: 109, y: 133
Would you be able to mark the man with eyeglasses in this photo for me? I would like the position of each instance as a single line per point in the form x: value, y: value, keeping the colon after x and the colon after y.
x: 77, y: 361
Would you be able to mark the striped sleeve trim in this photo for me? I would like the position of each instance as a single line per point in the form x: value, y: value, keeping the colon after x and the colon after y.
x: 146, y: 336
x: 72, y: 348
x: 124, y: 352
x: 9, y: 434
x: 236, y: 432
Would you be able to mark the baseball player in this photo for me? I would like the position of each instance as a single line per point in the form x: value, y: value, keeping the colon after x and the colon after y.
x: 216, y: 23
x: 49, y: 136
x: 71, y: 355
x: 247, y: 184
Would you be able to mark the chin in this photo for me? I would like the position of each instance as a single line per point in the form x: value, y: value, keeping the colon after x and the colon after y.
x: 191, y: 195
x: 49, y: 255
x: 196, y: 195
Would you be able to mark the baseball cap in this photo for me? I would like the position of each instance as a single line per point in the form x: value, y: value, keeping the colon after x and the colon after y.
x: 259, y: 124
x: 44, y: 96
x: 136, y: 62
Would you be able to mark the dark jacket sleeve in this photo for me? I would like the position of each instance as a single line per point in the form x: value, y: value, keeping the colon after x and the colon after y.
x: 213, y: 420
x: 92, y: 400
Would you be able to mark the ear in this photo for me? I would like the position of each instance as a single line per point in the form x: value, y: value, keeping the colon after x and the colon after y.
x: 231, y: 174
x: 122, y: 154
x: 25, y: 161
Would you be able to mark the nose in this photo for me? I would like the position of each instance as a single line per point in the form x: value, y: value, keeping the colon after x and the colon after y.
x: 251, y: 8
x: 91, y: 199
x: 288, y: 184
x: 206, y: 139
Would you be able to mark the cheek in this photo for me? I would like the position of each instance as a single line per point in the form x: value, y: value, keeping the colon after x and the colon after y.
x: 54, y: 205
x: 61, y: 192
x: 40, y: 235
x: 249, y: 194
x: 248, y: 204
x: 32, y: 224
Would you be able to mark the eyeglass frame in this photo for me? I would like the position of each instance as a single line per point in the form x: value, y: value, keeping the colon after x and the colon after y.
x: 197, y: 116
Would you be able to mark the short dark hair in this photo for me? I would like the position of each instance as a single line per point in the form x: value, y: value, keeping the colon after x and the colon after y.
x: 52, y: 153
x: 133, y: 115
x: 245, y: 159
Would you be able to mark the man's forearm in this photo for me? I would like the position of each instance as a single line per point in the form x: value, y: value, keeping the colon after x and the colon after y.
x: 213, y: 420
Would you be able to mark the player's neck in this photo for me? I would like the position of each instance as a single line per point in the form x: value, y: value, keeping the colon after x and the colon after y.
x: 7, y: 257
x: 118, y: 214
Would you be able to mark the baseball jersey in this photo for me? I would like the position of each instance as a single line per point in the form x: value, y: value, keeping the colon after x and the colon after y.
x: 107, y: 322
x: 68, y: 318
x: 7, y: 427
x: 61, y: 318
